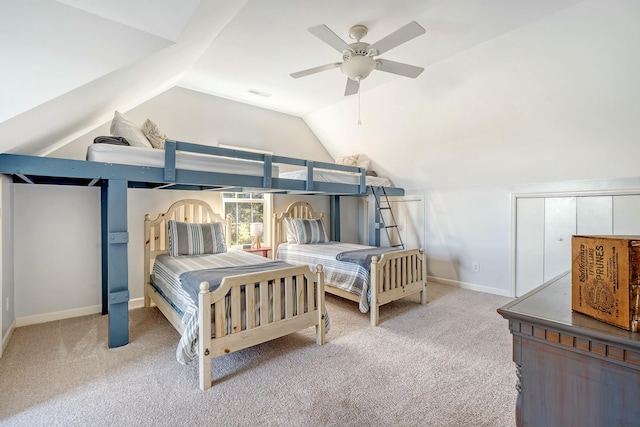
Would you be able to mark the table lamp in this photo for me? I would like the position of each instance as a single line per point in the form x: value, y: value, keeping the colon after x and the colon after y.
x: 255, y: 229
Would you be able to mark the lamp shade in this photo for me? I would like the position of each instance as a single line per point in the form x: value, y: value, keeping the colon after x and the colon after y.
x: 255, y: 229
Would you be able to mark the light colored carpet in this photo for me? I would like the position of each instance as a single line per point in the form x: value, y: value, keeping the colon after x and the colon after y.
x: 447, y: 363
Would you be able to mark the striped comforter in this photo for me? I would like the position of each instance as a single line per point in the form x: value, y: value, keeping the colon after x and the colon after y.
x: 347, y: 276
x: 165, y: 277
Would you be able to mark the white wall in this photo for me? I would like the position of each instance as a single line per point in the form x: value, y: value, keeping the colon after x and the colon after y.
x: 7, y: 292
x: 190, y: 116
x: 58, y: 249
x: 57, y: 228
x: 541, y: 107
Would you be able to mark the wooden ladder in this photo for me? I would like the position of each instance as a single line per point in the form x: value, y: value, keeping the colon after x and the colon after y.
x: 393, y: 224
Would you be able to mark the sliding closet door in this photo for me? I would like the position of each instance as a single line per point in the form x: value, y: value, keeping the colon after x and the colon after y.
x: 559, y: 226
x: 595, y: 215
x: 544, y: 226
x: 529, y: 243
x: 626, y: 218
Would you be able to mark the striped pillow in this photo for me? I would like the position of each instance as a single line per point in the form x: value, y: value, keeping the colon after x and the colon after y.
x: 308, y: 231
x: 196, y: 239
x: 290, y: 229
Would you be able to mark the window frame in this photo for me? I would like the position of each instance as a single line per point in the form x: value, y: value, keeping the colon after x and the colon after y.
x: 235, y: 223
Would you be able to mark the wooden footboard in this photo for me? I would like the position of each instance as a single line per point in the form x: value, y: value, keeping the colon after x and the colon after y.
x: 395, y: 275
x: 288, y: 300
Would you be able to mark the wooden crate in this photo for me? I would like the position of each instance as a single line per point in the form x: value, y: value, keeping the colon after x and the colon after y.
x: 605, y: 278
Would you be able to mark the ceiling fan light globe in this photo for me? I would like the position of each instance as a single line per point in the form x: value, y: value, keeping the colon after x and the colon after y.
x: 358, y: 67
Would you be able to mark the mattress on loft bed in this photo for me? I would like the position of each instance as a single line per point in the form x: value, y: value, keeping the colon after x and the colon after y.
x: 338, y: 177
x: 152, y: 157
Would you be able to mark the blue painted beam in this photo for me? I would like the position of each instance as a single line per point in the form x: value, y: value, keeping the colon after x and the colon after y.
x: 104, y: 232
x: 117, y: 262
x: 268, y: 170
x: 334, y: 208
x: 66, y: 171
x: 170, y: 161
x: 374, y: 218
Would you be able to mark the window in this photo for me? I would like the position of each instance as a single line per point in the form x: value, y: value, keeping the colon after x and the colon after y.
x: 244, y: 209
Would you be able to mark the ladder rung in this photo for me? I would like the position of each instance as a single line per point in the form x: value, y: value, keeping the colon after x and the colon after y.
x: 389, y: 208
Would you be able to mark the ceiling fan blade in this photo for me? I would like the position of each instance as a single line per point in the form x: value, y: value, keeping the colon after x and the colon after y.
x: 329, y: 37
x: 404, y: 34
x: 352, y: 88
x: 315, y: 70
x: 398, y: 68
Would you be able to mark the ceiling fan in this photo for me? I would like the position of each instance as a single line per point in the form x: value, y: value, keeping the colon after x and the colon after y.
x: 358, y: 58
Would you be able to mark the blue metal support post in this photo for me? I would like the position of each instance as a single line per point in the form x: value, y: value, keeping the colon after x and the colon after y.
x: 374, y: 218
x: 104, y: 234
x: 334, y: 208
x: 118, y: 275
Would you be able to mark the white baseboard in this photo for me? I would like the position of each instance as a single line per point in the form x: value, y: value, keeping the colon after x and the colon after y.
x: 470, y: 286
x: 68, y: 314
x: 7, y: 337
x: 136, y: 303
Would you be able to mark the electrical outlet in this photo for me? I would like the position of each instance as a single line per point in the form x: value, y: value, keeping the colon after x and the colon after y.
x: 476, y: 266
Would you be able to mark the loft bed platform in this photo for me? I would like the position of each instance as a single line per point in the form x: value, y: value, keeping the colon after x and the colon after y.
x: 172, y: 172
x: 47, y: 170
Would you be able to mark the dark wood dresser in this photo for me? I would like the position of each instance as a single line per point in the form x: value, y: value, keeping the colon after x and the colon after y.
x: 571, y: 370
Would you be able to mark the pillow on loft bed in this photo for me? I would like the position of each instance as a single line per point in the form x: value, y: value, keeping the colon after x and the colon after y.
x: 153, y: 133
x: 305, y: 231
x: 357, y: 160
x: 123, y: 127
x: 187, y: 238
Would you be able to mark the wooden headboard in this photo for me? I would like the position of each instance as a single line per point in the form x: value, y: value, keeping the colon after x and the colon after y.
x: 187, y: 210
x: 302, y: 210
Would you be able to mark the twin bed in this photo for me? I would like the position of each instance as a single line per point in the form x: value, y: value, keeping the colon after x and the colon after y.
x: 370, y: 276
x: 233, y: 309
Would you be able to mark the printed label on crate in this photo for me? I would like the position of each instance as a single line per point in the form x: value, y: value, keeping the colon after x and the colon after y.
x: 598, y: 277
x: 605, y: 270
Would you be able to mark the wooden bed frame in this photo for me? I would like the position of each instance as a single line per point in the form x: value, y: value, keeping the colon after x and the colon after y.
x: 196, y: 211
x: 394, y: 275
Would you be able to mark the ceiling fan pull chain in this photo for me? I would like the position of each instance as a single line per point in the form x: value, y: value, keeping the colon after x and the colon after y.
x: 359, y: 121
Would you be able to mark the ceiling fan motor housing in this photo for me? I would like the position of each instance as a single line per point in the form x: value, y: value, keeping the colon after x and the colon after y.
x: 358, y: 63
x: 358, y: 67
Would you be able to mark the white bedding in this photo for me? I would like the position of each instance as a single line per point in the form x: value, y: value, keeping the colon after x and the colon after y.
x: 142, y: 156
x: 323, y: 175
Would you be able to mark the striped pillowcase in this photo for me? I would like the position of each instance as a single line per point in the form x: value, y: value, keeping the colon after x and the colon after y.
x: 308, y: 231
x: 290, y: 229
x: 195, y: 239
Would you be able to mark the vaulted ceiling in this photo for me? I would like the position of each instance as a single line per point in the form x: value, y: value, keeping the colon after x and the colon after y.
x: 68, y: 64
